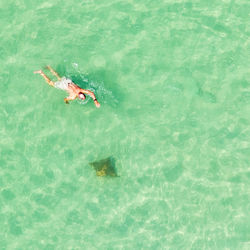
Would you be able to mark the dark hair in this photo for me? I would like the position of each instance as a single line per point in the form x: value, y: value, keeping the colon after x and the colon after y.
x: 80, y: 93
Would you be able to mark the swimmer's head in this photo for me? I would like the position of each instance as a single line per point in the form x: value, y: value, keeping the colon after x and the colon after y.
x: 81, y: 96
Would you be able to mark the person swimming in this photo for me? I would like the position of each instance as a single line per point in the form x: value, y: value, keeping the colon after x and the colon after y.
x: 66, y: 84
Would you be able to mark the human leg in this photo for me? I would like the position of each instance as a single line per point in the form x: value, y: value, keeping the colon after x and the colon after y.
x: 45, y: 77
x: 54, y: 72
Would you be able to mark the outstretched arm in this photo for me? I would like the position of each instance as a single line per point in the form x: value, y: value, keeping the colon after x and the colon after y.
x: 92, y: 95
x: 97, y: 104
x: 70, y: 98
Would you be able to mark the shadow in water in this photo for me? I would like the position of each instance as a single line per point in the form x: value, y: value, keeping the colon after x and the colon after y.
x: 173, y: 173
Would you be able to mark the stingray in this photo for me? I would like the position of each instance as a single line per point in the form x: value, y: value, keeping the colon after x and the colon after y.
x: 104, y: 167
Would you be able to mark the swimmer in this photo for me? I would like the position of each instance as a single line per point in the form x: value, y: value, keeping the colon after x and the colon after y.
x: 66, y: 84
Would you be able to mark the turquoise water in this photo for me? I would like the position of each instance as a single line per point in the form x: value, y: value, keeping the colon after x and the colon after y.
x: 172, y: 78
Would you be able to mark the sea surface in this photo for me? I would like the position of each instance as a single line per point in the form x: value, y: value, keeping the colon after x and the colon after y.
x: 172, y: 78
